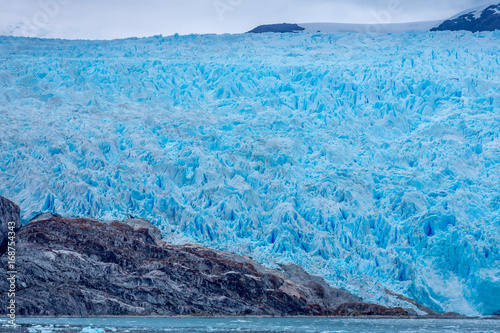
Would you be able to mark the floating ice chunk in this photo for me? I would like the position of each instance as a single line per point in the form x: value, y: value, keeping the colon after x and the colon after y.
x: 41, y: 329
x: 92, y: 330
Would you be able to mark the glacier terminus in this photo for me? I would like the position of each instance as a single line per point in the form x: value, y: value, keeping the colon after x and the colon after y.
x: 372, y: 160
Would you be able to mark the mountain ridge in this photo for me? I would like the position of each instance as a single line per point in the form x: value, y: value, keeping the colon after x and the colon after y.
x: 487, y: 19
x: 331, y: 27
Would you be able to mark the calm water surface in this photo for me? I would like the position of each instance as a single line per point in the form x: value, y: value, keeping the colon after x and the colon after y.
x: 248, y: 325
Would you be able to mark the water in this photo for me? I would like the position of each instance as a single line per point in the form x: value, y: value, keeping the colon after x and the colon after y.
x: 249, y: 325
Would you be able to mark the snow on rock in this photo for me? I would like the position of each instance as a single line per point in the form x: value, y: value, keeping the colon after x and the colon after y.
x: 370, y: 160
x: 484, y: 18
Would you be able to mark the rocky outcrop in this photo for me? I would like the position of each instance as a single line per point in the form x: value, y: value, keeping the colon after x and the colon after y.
x: 365, y: 309
x: 321, y: 292
x: 81, y: 267
x: 43, y: 216
x: 480, y: 20
x: 9, y: 212
x: 278, y: 28
x: 138, y: 223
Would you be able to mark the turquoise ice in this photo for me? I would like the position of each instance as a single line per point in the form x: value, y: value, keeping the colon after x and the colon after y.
x: 92, y: 330
x: 371, y: 160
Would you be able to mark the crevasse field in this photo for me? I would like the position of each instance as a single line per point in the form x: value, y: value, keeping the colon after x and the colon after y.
x: 371, y: 160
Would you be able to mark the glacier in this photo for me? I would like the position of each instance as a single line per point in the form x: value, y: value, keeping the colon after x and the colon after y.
x: 371, y: 160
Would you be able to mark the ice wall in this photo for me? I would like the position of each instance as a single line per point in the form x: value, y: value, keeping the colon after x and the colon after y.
x: 370, y: 160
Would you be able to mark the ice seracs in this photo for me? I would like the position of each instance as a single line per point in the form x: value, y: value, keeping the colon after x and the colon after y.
x: 369, y: 159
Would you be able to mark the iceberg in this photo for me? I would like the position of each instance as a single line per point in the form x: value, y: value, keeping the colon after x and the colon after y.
x: 92, y: 330
x: 371, y: 160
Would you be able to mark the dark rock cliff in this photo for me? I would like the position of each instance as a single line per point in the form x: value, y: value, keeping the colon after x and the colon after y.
x: 9, y: 212
x: 82, y: 267
x: 278, y: 28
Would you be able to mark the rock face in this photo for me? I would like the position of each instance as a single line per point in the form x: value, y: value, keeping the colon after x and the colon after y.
x: 322, y: 293
x: 43, y: 216
x: 9, y: 212
x: 482, y: 20
x: 279, y: 28
x: 138, y: 223
x: 81, y: 267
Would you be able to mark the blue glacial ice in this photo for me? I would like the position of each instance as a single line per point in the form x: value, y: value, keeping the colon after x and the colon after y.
x: 371, y: 160
x: 92, y: 330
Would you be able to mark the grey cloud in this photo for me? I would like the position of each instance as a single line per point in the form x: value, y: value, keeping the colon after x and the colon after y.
x: 123, y: 18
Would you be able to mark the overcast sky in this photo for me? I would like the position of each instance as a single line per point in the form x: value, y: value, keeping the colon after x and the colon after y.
x: 126, y: 18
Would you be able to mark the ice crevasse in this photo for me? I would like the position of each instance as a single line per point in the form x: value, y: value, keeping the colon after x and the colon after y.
x: 371, y: 160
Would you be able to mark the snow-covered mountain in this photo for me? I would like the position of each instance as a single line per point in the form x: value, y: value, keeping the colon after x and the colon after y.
x: 481, y: 18
x: 484, y: 18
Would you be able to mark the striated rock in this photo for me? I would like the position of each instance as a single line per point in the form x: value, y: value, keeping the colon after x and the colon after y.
x: 322, y: 293
x: 81, y: 267
x: 9, y: 212
x: 428, y: 312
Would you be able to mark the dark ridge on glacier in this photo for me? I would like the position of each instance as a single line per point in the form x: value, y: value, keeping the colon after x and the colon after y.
x: 279, y: 28
x: 487, y: 19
